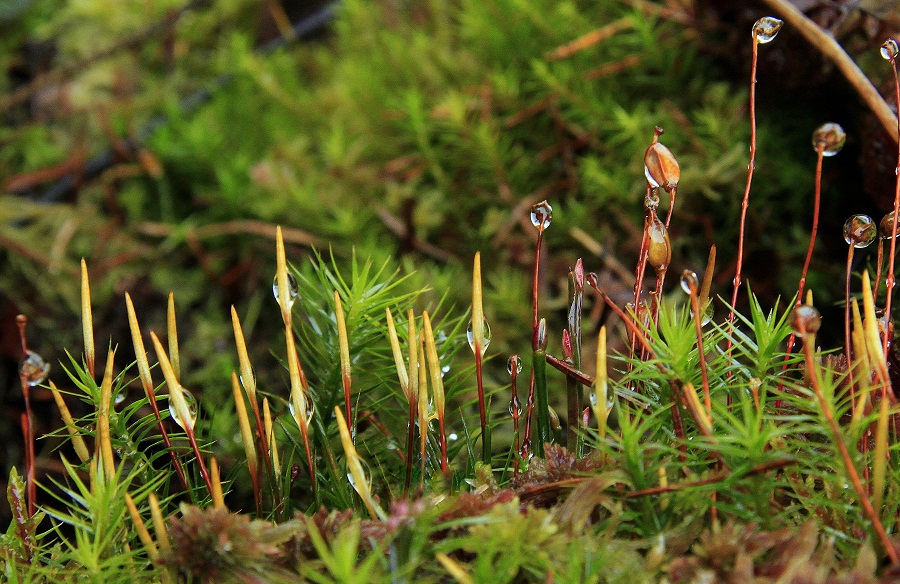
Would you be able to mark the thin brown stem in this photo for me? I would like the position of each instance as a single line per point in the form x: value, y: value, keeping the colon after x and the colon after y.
x: 890, y: 279
x: 746, y: 201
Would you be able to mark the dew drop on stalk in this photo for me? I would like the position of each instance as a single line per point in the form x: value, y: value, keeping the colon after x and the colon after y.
x: 659, y: 251
x: 765, y: 29
x: 890, y: 49
x: 292, y: 291
x: 831, y: 136
x: 470, y: 336
x: 191, y: 407
x: 689, y: 280
x: 518, y: 364
x: 310, y: 408
x: 34, y: 369
x: 515, y: 407
x: 860, y: 231
x: 541, y: 215
x: 886, y: 226
x: 804, y: 318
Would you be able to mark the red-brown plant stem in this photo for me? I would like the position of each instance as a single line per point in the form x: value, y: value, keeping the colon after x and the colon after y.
x: 639, y: 272
x: 890, y: 279
x: 485, y: 439
x: 848, y: 353
x: 878, y: 265
x: 812, y: 370
x: 820, y: 154
x: 27, y: 426
x: 751, y: 167
x: 820, y: 150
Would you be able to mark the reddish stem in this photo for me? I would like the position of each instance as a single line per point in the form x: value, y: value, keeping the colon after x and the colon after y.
x: 751, y: 167
x: 890, y: 278
x: 27, y: 426
x: 847, y: 346
x: 820, y: 153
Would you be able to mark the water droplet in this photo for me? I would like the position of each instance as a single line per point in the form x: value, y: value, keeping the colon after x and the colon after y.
x: 292, y: 292
x: 860, y: 231
x: 766, y: 28
x: 659, y: 251
x: 661, y: 168
x: 651, y: 199
x: 515, y: 407
x: 890, y: 49
x: 34, y: 369
x: 310, y: 408
x: 445, y: 370
x: 804, y: 318
x: 592, y: 396
x: 470, y: 336
x: 831, y: 136
x: 121, y: 396
x: 689, y: 280
x: 708, y: 312
x: 192, y: 410
x: 886, y: 226
x: 541, y: 215
x: 452, y: 437
x: 514, y: 359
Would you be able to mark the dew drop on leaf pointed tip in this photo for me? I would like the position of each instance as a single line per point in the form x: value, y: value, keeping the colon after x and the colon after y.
x: 765, y: 29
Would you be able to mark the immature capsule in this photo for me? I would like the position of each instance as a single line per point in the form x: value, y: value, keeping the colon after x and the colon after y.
x: 765, y: 29
x: 659, y: 251
x: 805, y: 319
x: 661, y: 168
x: 860, y: 231
x: 889, y: 50
x: 541, y: 215
x: 832, y: 138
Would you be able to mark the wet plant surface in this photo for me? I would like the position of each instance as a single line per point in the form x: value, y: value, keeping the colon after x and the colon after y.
x: 631, y: 418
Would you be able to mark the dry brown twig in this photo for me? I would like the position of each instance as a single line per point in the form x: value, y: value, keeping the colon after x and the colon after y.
x: 829, y: 47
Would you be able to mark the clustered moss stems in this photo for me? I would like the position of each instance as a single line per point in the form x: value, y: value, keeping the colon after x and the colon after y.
x: 726, y: 436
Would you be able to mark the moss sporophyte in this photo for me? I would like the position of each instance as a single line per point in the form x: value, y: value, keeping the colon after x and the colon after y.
x: 705, y: 449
